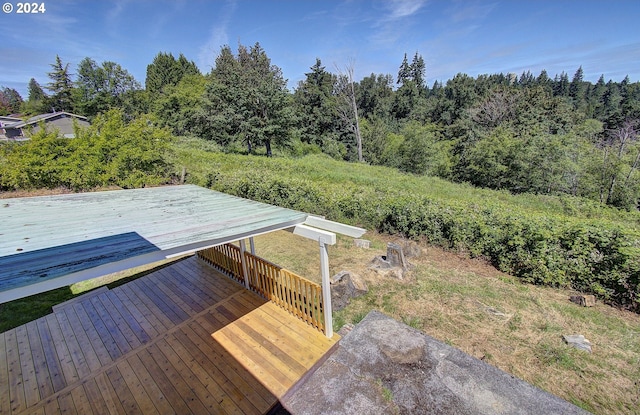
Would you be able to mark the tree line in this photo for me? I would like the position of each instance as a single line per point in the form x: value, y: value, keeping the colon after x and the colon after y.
x: 517, y: 132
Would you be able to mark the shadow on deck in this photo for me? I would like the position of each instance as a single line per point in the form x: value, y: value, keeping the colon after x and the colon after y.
x: 184, y: 339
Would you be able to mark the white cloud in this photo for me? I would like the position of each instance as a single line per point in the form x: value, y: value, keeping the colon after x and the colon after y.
x: 217, y: 38
x: 403, y: 8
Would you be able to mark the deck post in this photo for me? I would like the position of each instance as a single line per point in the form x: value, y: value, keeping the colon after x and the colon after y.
x: 252, y: 245
x: 326, y: 288
x: 243, y: 260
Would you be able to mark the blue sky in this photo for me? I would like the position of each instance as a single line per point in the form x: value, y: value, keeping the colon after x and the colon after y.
x: 472, y: 37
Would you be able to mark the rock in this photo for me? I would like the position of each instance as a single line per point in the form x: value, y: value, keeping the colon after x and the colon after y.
x: 346, y: 285
x: 395, y: 256
x: 382, y: 366
x: 411, y: 249
x: 578, y: 341
x: 380, y: 262
x: 362, y: 243
x: 583, y: 300
x: 393, y: 265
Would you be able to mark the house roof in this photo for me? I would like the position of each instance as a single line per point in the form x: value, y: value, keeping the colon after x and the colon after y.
x: 9, y: 119
x: 43, y: 117
x: 48, y: 242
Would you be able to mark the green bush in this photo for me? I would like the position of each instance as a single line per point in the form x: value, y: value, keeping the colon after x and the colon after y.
x: 595, y: 255
x: 109, y: 152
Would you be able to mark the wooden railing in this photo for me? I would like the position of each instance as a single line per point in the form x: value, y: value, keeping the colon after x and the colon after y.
x: 224, y: 258
x: 297, y: 295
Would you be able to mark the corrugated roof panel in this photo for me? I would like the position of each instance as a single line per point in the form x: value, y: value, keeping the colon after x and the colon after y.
x: 47, y: 237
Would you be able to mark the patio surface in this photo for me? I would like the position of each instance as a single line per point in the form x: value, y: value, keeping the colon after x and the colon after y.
x: 185, y: 339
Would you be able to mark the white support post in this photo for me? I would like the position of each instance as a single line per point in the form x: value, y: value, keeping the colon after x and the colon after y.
x: 252, y: 246
x: 245, y: 274
x: 326, y: 288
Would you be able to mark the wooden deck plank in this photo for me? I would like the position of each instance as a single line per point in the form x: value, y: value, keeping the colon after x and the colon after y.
x: 177, y: 381
x: 86, y: 358
x: 236, y: 387
x: 96, y: 342
x: 291, y: 345
x: 251, y: 386
x: 184, y: 277
x: 225, y: 401
x: 261, y: 354
x: 81, y: 401
x: 108, y: 318
x: 16, y: 389
x: 174, y: 313
x: 29, y: 380
x: 164, y: 384
x: 49, y: 349
x: 256, y: 360
x: 177, y: 297
x: 73, y: 345
x: 111, y: 399
x: 209, y: 401
x: 108, y: 335
x: 143, y: 315
x: 182, y: 288
x: 122, y: 392
x: 152, y: 390
x: 5, y: 404
x: 64, y: 355
x: 39, y: 360
x: 128, y: 326
x: 144, y: 401
x: 278, y: 318
x: 138, y: 295
x: 276, y: 382
x: 303, y: 348
x: 51, y: 407
x: 66, y: 404
x: 168, y: 343
x: 203, y: 275
x: 96, y: 400
x: 134, y: 318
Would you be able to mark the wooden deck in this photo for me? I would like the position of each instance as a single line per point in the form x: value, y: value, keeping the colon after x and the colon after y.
x: 182, y: 340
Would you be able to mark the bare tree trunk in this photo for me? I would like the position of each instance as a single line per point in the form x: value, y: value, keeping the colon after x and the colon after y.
x: 350, y: 113
x: 267, y: 144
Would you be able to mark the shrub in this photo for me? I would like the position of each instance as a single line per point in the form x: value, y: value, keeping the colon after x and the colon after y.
x: 109, y: 152
x: 592, y: 255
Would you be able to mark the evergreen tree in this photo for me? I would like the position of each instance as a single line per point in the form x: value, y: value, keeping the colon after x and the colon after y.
x: 315, y: 105
x: 167, y: 70
x: 60, y: 86
x: 246, y: 100
x: 544, y: 81
x: 37, y: 101
x: 375, y: 94
x: 35, y: 91
x: 577, y: 89
x: 561, y: 85
x: 404, y: 73
x: 417, y: 71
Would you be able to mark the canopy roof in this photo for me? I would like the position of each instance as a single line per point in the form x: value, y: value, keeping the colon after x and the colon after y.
x: 48, y: 242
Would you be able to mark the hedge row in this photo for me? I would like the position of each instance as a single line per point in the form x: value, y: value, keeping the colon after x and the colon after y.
x: 592, y: 256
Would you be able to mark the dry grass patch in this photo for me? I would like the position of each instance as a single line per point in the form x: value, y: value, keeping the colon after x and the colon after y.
x: 492, y: 316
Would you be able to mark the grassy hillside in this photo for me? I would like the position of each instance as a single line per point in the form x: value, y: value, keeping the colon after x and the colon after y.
x: 557, y: 241
x: 489, y: 315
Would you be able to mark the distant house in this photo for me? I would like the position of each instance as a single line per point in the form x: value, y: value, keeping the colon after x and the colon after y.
x: 17, y: 129
x: 7, y: 120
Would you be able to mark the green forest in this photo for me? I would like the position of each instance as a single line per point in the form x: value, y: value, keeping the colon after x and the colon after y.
x: 522, y: 133
x: 537, y: 173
